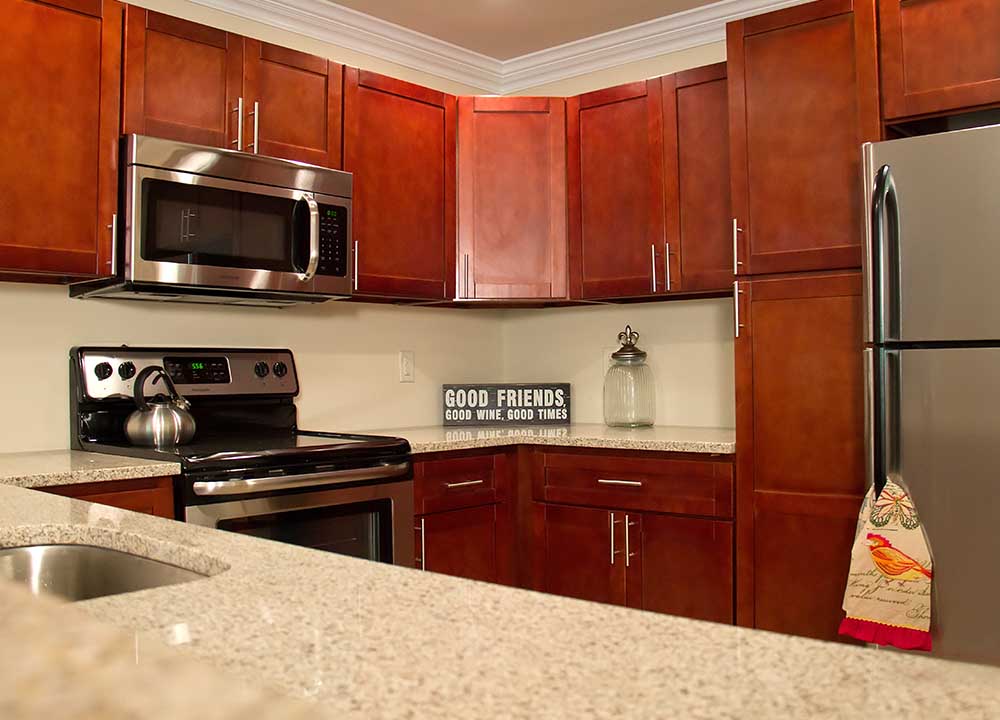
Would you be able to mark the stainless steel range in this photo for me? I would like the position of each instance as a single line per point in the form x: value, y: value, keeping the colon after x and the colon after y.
x: 249, y: 468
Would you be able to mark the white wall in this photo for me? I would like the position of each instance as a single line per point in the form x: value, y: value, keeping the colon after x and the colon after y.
x: 690, y: 348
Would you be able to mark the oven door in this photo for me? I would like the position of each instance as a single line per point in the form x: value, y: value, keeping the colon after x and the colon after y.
x: 189, y: 229
x: 373, y: 522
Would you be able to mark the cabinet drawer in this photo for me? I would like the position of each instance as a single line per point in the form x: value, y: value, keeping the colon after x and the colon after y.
x: 688, y: 487
x: 440, y: 485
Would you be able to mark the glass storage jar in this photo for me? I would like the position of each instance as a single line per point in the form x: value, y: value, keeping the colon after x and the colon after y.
x: 629, y: 390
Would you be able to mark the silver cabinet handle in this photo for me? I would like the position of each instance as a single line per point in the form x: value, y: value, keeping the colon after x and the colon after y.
x: 356, y: 264
x: 630, y: 483
x: 666, y: 263
x: 652, y: 263
x: 736, y: 306
x: 628, y: 553
x: 465, y: 287
x: 467, y: 483
x: 611, y: 528
x: 313, y: 265
x: 736, y: 254
x: 238, y: 142
x: 113, y: 227
x: 423, y: 544
x: 256, y: 127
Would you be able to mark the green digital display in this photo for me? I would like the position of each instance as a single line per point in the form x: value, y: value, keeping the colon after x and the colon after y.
x: 331, y: 213
x: 197, y: 366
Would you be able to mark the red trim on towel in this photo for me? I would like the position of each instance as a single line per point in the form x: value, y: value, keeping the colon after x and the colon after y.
x: 872, y: 632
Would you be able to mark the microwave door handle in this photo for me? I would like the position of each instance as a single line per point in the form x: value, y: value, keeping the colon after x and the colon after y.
x: 313, y: 264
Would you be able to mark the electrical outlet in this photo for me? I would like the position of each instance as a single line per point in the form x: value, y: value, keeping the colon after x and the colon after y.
x: 406, y: 370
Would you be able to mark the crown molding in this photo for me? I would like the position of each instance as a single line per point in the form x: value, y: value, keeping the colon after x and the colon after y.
x: 337, y: 25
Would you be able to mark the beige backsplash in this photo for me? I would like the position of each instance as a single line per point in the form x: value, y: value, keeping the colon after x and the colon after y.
x: 347, y: 355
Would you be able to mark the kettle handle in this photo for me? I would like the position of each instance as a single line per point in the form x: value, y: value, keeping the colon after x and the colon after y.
x: 138, y: 389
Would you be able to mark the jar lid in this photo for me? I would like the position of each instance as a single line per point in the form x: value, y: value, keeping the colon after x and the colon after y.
x: 628, y: 351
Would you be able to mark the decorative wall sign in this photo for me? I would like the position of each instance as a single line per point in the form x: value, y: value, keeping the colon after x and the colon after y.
x: 507, y: 404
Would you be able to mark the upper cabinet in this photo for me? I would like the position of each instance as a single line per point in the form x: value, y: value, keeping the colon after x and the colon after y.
x: 193, y: 83
x: 512, y: 198
x: 181, y: 80
x: 938, y: 55
x: 696, y: 145
x: 399, y: 141
x: 59, y: 78
x: 803, y: 96
x: 616, y: 203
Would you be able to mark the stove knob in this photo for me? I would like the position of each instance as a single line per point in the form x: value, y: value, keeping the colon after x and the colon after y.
x: 103, y: 371
x: 126, y: 370
x: 261, y: 369
x: 280, y: 369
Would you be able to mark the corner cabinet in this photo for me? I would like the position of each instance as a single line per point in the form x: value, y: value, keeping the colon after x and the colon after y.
x: 59, y: 82
x: 803, y: 96
x: 150, y: 496
x: 512, y: 198
x: 399, y: 141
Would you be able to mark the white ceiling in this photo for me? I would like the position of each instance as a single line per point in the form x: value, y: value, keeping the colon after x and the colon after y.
x: 505, y: 29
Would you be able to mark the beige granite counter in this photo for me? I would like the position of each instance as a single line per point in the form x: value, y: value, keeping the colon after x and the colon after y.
x: 70, y: 467
x: 366, y: 640
x: 660, y: 437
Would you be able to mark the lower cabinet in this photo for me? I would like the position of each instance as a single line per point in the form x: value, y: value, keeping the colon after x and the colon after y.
x: 152, y: 496
x: 580, y: 558
x: 459, y: 542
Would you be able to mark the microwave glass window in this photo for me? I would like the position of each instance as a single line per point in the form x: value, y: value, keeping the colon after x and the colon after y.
x: 200, y: 225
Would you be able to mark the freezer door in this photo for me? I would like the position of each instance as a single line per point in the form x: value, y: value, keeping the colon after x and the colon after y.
x: 942, y: 436
x: 936, y: 279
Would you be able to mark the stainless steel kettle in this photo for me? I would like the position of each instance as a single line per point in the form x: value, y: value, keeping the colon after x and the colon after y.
x: 161, y: 423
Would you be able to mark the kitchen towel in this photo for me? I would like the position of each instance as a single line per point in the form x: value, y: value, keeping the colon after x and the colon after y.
x: 888, y: 595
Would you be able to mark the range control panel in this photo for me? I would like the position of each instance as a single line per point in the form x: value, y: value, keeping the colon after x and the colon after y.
x: 104, y: 373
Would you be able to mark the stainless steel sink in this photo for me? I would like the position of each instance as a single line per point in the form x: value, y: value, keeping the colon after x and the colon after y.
x: 82, y: 572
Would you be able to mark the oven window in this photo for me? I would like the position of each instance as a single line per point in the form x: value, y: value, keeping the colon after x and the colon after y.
x: 202, y: 225
x: 362, y: 530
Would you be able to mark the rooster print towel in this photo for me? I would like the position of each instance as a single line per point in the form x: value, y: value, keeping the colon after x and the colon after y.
x: 888, y: 596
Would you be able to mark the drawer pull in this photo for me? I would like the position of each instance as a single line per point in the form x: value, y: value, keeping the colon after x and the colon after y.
x: 630, y: 483
x: 467, y: 483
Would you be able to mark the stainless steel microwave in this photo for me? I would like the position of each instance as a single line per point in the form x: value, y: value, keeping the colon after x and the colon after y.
x: 202, y: 224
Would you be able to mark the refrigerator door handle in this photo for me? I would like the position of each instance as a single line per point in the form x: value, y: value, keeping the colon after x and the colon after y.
x: 885, y: 256
x: 889, y: 452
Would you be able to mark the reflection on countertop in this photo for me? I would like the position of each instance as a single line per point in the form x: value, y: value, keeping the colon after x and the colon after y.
x: 368, y: 640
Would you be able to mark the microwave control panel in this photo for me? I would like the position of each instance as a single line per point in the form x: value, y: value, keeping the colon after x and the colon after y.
x: 332, y: 240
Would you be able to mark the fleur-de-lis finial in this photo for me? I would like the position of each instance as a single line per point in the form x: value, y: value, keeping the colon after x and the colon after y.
x: 629, y: 337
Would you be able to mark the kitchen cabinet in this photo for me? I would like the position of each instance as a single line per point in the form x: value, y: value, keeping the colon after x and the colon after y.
x: 580, y: 561
x: 800, y: 449
x: 615, y: 172
x: 181, y: 80
x: 938, y: 56
x: 459, y: 542
x: 152, y: 496
x: 60, y: 63
x: 399, y: 141
x: 803, y: 96
x: 696, y: 184
x: 512, y: 198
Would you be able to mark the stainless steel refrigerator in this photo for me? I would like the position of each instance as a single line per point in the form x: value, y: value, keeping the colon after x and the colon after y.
x: 932, y: 278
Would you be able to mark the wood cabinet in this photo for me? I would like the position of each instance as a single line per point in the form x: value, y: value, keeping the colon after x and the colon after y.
x: 59, y: 88
x: 512, y: 198
x: 579, y: 560
x: 459, y: 542
x: 803, y: 96
x: 616, y: 203
x: 181, y: 80
x: 696, y: 182
x: 152, y: 496
x: 800, y: 449
x: 938, y: 55
x: 399, y: 141
x: 188, y: 82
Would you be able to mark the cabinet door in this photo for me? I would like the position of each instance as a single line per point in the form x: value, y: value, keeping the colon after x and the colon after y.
x: 293, y: 106
x: 696, y: 142
x: 181, y: 80
x: 682, y: 566
x: 399, y: 141
x: 938, y: 55
x: 584, y: 554
x: 803, y: 96
x: 512, y: 198
x: 152, y: 496
x: 459, y: 542
x: 60, y: 64
x: 800, y: 449
x: 615, y: 172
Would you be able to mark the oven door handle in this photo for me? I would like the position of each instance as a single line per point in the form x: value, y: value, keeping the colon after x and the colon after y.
x: 285, y: 482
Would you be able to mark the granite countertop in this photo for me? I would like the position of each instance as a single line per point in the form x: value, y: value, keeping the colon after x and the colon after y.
x: 69, y: 467
x: 367, y: 640
x: 660, y: 437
